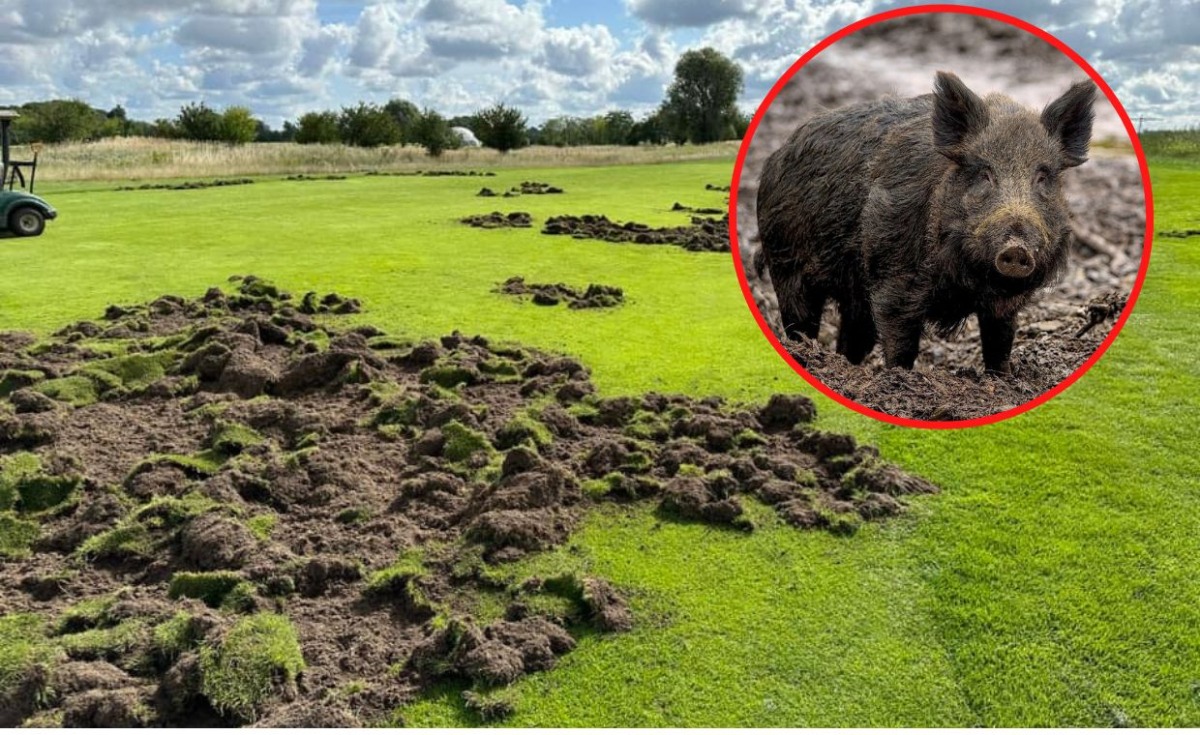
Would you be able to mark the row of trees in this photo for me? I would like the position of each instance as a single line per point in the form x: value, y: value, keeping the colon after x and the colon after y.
x: 699, y: 107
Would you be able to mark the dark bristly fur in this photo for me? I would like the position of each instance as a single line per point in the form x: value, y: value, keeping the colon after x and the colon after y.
x: 929, y: 209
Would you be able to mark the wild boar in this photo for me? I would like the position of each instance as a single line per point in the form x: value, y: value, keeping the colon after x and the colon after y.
x: 921, y: 210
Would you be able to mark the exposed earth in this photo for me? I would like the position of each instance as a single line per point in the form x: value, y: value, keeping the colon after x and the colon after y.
x: 704, y: 234
x: 1105, y: 197
x: 232, y: 510
x: 595, y: 296
x: 493, y: 220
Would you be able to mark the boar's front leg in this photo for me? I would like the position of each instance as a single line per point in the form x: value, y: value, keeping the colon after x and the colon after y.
x: 899, y: 320
x: 996, y: 335
x: 856, y: 337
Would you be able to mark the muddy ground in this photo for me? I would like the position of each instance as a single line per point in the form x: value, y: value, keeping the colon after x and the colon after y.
x: 220, y: 511
x: 1105, y: 197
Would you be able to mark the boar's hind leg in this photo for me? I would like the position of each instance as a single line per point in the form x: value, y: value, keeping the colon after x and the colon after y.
x: 856, y: 338
x: 996, y: 336
x: 801, y: 307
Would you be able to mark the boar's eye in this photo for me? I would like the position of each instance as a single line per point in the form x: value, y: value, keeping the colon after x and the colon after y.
x: 983, y: 179
x: 1043, y: 178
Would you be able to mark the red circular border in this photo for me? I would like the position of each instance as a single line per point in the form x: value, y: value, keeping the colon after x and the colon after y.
x: 745, y: 147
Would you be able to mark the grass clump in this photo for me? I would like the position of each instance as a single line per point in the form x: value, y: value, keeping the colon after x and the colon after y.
x: 25, y: 487
x: 130, y: 373
x: 200, y: 465
x: 127, y: 539
x: 171, y: 638
x: 240, y: 672
x: 23, y: 646
x: 649, y: 426
x: 463, y: 442
x: 105, y: 643
x: 262, y: 525
x: 11, y: 380
x: 167, y: 511
x: 212, y: 588
x: 85, y: 614
x: 449, y: 376
x: 77, y: 390
x: 230, y: 438
x: 402, y: 581
x: 16, y: 536
x: 524, y: 429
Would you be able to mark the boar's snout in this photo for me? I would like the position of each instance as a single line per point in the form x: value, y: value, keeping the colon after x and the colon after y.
x: 1015, y: 260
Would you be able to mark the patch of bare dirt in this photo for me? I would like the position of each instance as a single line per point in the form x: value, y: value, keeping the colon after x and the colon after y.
x: 595, y: 296
x: 494, y: 220
x: 704, y: 234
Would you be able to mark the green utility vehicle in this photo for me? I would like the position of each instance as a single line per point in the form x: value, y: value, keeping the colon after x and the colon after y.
x: 21, y: 213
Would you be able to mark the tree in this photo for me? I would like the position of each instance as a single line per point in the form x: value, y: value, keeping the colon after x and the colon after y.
x: 430, y: 130
x: 318, y: 127
x: 701, y: 100
x: 406, y: 115
x: 238, y: 126
x: 368, y: 126
x: 57, y: 121
x: 501, y: 127
x: 198, y: 121
x: 618, y: 125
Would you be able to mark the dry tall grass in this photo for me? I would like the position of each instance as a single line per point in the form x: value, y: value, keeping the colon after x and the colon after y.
x: 154, y: 158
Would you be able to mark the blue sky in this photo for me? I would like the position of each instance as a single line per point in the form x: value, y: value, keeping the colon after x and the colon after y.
x: 549, y: 57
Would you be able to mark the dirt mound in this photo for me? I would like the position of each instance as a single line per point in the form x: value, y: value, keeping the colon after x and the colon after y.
x: 703, y: 235
x: 224, y: 512
x: 716, y: 187
x: 188, y: 185
x: 307, y: 177
x: 439, y: 172
x: 1179, y: 234
x: 595, y: 296
x: 497, y: 219
x: 535, y: 187
x: 677, y: 207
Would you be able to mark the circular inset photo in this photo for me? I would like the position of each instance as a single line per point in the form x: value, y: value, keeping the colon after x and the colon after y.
x: 941, y: 217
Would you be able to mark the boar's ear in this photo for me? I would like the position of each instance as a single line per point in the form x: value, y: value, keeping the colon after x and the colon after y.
x: 1069, y: 119
x: 958, y: 114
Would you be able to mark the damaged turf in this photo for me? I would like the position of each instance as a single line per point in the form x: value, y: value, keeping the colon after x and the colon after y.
x: 703, y: 235
x: 595, y: 296
x: 222, y: 511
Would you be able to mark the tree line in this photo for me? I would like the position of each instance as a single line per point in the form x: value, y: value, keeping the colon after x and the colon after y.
x: 699, y: 107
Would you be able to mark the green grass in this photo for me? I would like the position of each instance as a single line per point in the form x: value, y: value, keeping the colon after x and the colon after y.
x: 256, y: 655
x: 1055, y: 581
x: 23, y: 646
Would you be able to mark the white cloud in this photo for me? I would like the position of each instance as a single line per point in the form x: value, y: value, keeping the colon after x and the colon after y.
x: 281, y: 58
x: 689, y: 13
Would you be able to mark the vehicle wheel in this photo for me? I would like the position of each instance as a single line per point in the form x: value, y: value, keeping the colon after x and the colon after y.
x: 27, y: 222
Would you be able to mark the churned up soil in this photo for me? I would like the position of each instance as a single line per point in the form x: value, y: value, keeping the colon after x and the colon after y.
x: 223, y: 511
x: 436, y: 172
x: 704, y: 234
x: 595, y: 296
x: 1105, y: 197
x: 497, y: 219
x: 309, y: 177
x: 188, y: 185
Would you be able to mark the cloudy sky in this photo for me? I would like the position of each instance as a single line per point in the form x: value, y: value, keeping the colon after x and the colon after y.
x: 549, y: 57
